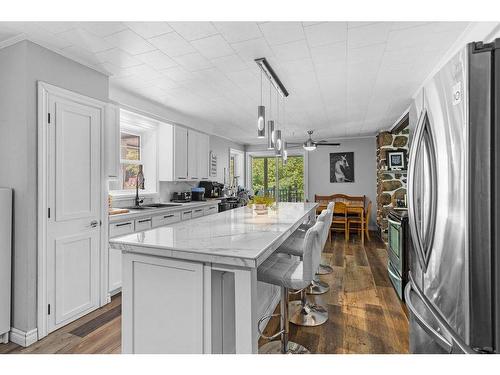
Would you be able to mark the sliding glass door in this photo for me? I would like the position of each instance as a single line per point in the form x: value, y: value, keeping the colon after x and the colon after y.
x: 290, y: 181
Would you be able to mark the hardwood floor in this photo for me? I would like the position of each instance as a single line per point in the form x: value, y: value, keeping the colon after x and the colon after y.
x: 365, y: 314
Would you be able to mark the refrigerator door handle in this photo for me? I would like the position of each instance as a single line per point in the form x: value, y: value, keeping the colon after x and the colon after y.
x: 442, y: 341
x: 447, y: 346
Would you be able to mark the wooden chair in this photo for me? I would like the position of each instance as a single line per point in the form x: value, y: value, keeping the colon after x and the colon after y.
x: 339, y: 220
x: 354, y: 223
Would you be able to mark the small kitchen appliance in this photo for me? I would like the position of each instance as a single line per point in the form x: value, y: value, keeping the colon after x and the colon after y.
x: 198, y: 194
x: 181, y: 196
x: 212, y: 189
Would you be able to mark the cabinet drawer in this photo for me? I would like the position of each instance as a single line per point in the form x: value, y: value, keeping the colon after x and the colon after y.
x: 120, y: 229
x: 186, y: 215
x: 165, y: 219
x: 197, y: 212
x: 211, y: 210
x: 142, y: 224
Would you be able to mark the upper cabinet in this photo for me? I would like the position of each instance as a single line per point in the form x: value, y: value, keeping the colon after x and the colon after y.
x: 182, y: 154
x: 112, y: 141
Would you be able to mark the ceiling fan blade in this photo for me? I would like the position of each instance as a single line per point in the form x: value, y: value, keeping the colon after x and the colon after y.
x: 322, y: 143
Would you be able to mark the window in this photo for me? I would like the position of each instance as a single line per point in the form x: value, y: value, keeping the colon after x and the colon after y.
x: 130, y: 159
x: 231, y: 171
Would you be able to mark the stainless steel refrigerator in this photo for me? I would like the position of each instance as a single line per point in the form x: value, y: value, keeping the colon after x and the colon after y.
x: 453, y: 294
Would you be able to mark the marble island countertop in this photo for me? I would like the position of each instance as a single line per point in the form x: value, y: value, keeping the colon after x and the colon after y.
x: 237, y: 237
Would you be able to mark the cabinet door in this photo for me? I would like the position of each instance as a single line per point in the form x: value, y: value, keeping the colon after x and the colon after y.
x: 112, y: 140
x: 203, y: 151
x: 180, y: 153
x: 193, y: 152
x: 115, y: 270
x: 166, y: 152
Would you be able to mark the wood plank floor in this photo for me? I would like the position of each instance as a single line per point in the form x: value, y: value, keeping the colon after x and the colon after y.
x: 365, y: 314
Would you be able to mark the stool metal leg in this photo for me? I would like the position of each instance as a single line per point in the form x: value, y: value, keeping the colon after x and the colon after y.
x: 305, y: 313
x: 283, y: 346
x: 317, y: 287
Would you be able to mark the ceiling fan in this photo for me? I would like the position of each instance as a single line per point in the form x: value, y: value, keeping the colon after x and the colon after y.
x: 310, y: 145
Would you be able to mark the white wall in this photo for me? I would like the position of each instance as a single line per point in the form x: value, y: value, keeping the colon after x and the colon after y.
x: 365, y: 171
x: 21, y: 66
x: 220, y: 147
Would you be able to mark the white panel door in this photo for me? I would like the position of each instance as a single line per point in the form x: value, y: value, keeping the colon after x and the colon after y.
x: 73, y: 226
x: 180, y: 153
x: 193, y: 155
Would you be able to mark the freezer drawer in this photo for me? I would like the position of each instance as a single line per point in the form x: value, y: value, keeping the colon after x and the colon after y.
x: 120, y: 229
x: 165, y: 219
x: 142, y: 224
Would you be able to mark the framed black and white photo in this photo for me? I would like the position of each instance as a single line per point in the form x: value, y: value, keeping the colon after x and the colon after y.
x: 396, y: 160
x: 342, y: 167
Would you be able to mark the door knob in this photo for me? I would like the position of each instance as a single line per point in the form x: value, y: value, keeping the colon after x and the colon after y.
x: 94, y: 224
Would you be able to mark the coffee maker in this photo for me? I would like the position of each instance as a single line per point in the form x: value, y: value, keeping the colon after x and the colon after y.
x: 212, y: 189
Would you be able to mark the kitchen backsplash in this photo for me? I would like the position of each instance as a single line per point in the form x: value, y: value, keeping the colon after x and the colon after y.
x: 168, y: 188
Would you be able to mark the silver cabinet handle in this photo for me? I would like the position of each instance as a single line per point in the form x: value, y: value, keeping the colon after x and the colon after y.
x: 144, y: 221
x: 122, y: 224
x: 198, y: 210
x: 187, y: 212
x: 167, y: 216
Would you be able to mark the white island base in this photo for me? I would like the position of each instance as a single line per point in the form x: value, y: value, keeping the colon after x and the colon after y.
x: 192, y: 288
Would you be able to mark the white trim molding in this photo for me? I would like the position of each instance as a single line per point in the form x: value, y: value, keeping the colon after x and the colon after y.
x: 23, y: 338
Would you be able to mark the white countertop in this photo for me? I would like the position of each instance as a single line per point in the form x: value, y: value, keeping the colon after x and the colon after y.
x: 135, y: 214
x: 236, y: 237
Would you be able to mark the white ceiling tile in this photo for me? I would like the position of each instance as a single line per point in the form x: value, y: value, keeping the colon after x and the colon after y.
x: 130, y: 42
x: 329, y: 52
x: 144, y: 71
x: 252, y: 49
x: 231, y: 63
x: 406, y: 25
x: 194, y: 30
x: 213, y: 46
x: 193, y: 61
x: 178, y: 73
x: 172, y: 44
x: 325, y: 33
x: 118, y: 58
x: 102, y: 28
x: 82, y: 55
x: 156, y: 59
x: 238, y: 31
x: 282, y: 32
x: 149, y: 29
x: 369, y: 34
x: 84, y: 39
x: 352, y: 25
x: 291, y: 51
x: 371, y: 54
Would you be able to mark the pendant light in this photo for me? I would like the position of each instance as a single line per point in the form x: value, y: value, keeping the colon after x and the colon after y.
x: 309, y: 145
x: 277, y: 133
x: 270, y: 124
x: 284, y: 153
x: 261, y: 114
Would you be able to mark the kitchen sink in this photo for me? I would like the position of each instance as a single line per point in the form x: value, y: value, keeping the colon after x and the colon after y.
x: 161, y: 205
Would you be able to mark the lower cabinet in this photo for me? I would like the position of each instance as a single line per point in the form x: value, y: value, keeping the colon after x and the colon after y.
x: 115, y: 271
x: 131, y: 226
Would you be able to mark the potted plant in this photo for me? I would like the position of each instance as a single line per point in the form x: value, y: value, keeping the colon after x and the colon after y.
x: 261, y: 204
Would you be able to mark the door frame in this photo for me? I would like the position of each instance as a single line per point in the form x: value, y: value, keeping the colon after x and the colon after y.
x: 271, y: 153
x: 43, y: 91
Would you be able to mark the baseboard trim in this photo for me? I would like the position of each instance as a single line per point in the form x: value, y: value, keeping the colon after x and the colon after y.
x: 23, y: 338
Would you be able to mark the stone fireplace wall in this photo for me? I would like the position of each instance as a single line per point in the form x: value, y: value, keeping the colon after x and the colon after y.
x: 391, y: 185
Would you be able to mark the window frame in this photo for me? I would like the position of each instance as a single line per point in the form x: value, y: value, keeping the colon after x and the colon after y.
x: 128, y: 161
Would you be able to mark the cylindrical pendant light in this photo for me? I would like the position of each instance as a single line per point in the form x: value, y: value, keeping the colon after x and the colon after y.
x: 270, y: 135
x: 261, y: 114
x: 277, y: 142
x: 284, y: 153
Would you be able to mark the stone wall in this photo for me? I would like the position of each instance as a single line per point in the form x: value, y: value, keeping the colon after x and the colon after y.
x: 391, y: 185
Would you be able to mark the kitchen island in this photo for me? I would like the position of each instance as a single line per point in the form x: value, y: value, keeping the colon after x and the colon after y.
x: 191, y: 287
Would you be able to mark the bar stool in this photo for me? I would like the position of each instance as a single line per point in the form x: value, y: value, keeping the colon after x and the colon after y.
x: 303, y: 312
x: 289, y: 273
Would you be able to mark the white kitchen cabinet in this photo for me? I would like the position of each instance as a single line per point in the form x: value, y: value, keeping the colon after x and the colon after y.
x: 197, y: 212
x: 211, y: 210
x: 143, y: 224
x: 115, y: 270
x: 203, y: 151
x: 187, y: 215
x: 182, y: 154
x: 112, y: 141
x: 193, y: 154
x: 165, y: 219
x: 181, y: 150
